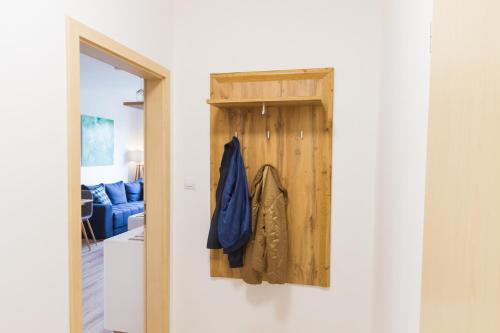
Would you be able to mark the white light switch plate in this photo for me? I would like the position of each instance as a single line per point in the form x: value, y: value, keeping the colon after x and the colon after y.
x: 189, y: 184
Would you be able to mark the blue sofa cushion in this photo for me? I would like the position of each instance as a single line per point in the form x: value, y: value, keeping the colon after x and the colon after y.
x: 122, y: 212
x: 90, y: 187
x: 116, y: 193
x: 102, y: 221
x: 99, y: 193
x: 134, y: 191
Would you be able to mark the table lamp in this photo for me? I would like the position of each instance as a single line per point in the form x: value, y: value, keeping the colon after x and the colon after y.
x: 137, y: 156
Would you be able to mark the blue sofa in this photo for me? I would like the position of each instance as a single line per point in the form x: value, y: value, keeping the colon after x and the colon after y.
x: 109, y: 220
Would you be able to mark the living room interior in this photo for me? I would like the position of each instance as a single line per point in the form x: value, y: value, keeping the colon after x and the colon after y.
x: 112, y: 179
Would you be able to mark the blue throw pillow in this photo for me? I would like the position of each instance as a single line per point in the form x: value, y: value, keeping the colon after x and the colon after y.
x: 116, y: 193
x: 91, y: 187
x: 134, y: 191
x: 99, y: 193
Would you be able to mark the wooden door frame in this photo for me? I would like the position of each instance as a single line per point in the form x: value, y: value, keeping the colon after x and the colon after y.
x: 82, y: 39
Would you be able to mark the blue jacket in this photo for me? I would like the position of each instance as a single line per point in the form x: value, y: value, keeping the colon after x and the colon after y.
x: 231, y: 225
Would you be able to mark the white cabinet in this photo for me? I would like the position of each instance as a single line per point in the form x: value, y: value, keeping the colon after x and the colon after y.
x: 124, y: 282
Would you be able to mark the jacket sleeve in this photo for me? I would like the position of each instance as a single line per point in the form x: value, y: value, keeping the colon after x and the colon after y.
x: 276, y: 233
x: 213, y: 235
x: 235, y: 216
x: 277, y: 241
x: 224, y: 231
x: 259, y: 263
x: 248, y: 273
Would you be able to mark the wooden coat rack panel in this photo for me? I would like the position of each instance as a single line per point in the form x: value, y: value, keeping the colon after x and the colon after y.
x: 299, y: 110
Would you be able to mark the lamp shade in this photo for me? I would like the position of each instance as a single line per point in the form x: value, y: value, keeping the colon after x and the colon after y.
x: 136, y: 156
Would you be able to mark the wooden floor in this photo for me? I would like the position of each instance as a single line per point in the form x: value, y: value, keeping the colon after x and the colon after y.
x: 93, y: 287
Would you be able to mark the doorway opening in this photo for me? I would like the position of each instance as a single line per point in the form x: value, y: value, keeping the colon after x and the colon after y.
x: 148, y: 184
x: 112, y: 179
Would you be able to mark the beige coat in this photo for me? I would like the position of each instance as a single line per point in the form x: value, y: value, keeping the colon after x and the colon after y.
x: 267, y: 251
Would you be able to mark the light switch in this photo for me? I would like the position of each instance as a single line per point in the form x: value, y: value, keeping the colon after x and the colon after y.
x: 189, y: 184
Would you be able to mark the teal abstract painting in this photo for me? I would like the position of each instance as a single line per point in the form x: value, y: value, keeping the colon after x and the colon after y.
x: 98, y: 141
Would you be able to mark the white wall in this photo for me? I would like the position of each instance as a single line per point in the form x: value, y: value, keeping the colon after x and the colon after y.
x: 33, y: 199
x: 103, y: 90
x: 405, y: 69
x: 221, y: 36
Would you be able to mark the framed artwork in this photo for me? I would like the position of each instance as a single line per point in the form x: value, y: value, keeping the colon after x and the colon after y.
x: 98, y: 141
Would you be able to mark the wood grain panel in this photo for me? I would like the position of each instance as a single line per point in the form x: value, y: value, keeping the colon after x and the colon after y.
x: 461, y: 270
x: 304, y: 164
x: 157, y: 204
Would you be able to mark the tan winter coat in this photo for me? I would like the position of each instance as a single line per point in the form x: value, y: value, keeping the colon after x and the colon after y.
x: 267, y: 250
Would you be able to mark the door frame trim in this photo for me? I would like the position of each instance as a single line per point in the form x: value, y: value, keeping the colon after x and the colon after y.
x: 82, y: 39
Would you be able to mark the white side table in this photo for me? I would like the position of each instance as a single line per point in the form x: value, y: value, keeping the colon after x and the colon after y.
x: 135, y: 221
x: 124, y: 282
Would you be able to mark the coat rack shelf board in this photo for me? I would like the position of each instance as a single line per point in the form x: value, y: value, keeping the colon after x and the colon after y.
x: 295, y: 136
x: 276, y: 101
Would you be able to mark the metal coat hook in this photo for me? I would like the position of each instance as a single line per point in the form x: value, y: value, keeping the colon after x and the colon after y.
x: 263, y: 108
x: 236, y: 134
x: 301, y: 134
x: 268, y: 135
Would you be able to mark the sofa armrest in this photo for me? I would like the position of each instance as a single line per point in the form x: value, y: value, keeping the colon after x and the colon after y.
x: 102, y: 221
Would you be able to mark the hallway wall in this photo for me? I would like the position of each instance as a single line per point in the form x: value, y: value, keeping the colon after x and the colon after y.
x: 380, y: 51
x: 34, y: 269
x: 377, y: 177
x: 402, y: 150
x: 219, y: 36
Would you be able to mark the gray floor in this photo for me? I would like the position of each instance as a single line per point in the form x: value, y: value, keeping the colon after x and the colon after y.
x: 93, y: 297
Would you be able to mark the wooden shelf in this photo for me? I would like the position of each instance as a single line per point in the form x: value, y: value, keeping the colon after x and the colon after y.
x: 137, y: 105
x: 272, y: 101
